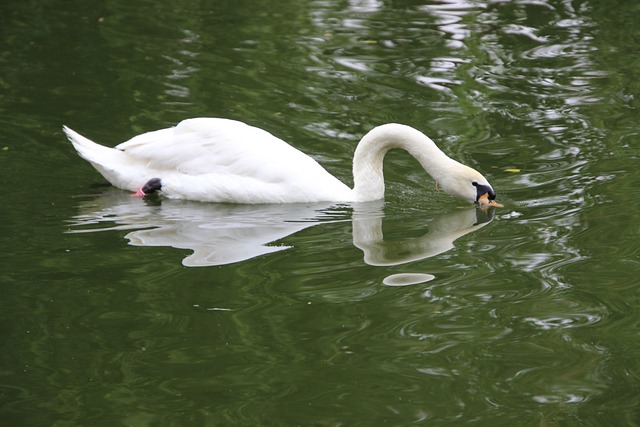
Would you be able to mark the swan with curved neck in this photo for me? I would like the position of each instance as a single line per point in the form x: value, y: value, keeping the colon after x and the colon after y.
x: 221, y: 160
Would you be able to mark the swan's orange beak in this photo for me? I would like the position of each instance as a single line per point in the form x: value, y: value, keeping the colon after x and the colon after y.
x: 138, y: 193
x: 484, y: 201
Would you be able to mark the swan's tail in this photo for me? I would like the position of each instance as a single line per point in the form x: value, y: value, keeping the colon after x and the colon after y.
x: 107, y: 161
x: 89, y: 150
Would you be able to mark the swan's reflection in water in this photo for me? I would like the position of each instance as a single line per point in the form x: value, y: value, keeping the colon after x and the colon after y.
x: 444, y: 229
x: 223, y: 234
x: 216, y: 233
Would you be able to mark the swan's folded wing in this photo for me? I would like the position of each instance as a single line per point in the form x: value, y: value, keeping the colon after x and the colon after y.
x: 207, y: 145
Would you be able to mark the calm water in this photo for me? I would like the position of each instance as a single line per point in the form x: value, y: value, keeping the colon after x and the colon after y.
x: 123, y: 312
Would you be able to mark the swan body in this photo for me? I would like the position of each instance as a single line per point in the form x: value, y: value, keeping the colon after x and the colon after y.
x: 222, y: 160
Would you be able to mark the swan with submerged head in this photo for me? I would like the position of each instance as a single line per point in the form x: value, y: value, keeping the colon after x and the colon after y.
x: 222, y: 160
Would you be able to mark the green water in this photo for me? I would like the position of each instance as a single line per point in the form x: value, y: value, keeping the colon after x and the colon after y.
x: 419, y: 310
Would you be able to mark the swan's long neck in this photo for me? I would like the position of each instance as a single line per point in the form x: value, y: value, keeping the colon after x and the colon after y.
x: 369, y: 155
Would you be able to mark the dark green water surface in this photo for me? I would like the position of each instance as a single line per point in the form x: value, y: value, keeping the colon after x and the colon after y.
x: 416, y: 310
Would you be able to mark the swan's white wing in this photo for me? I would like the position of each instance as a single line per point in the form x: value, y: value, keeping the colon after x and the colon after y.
x: 226, y: 160
x: 217, y: 146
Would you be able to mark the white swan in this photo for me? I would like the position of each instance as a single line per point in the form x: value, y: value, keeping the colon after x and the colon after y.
x: 221, y: 160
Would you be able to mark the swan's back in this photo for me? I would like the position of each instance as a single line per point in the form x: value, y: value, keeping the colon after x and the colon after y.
x: 208, y: 145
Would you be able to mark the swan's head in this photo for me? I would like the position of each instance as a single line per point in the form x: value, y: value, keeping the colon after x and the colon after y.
x: 468, y: 184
